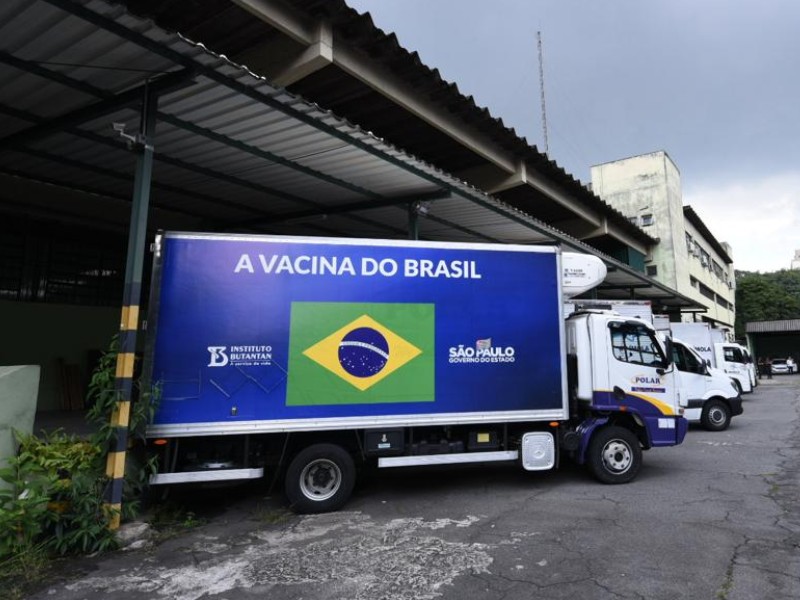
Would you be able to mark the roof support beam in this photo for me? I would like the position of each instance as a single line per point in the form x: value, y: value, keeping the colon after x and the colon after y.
x: 542, y: 184
x: 391, y: 86
x: 317, y: 56
x: 413, y: 221
x: 282, y: 18
x: 585, y: 230
x: 493, y: 180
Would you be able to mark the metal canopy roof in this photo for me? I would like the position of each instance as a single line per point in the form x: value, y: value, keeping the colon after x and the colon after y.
x: 233, y: 153
x: 784, y: 326
x: 270, y: 36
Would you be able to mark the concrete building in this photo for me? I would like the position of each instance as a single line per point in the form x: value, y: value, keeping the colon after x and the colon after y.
x: 796, y: 260
x: 688, y: 258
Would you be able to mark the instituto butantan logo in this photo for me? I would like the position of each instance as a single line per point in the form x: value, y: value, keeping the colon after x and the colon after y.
x: 363, y: 352
x: 242, y: 356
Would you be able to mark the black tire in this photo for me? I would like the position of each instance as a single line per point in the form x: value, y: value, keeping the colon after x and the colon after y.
x: 320, y: 479
x: 716, y: 415
x: 615, y: 455
x: 738, y: 386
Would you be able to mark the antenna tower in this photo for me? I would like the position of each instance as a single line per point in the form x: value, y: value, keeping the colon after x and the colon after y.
x: 541, y: 92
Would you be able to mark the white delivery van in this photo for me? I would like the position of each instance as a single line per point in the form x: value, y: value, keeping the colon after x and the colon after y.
x: 712, y: 397
x: 726, y: 356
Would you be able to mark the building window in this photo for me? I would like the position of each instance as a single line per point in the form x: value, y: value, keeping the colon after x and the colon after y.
x: 45, y: 262
x: 705, y: 259
x: 652, y: 270
x: 707, y: 292
x: 647, y: 220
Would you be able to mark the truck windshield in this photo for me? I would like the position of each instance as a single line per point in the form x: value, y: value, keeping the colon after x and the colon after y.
x: 635, y: 344
x: 686, y: 360
x: 733, y: 354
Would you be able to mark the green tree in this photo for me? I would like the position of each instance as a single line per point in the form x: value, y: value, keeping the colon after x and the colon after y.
x: 766, y: 297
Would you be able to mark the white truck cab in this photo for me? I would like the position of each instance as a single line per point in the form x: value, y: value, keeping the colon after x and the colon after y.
x: 731, y: 358
x: 751, y: 367
x: 630, y: 377
x: 710, y: 345
x: 712, y: 397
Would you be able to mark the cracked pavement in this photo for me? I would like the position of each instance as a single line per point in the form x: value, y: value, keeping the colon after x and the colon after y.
x: 716, y: 518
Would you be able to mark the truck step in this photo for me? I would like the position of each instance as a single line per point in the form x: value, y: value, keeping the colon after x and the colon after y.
x: 447, y: 459
x: 213, y: 475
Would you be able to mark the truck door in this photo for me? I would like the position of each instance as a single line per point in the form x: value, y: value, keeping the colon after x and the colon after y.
x: 643, y: 380
x: 734, y: 364
x: 694, y: 378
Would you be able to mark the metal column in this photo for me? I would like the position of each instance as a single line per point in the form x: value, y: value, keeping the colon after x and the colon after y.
x: 115, y: 465
x: 413, y: 220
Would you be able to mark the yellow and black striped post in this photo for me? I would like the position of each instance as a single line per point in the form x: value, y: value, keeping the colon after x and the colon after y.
x: 129, y: 323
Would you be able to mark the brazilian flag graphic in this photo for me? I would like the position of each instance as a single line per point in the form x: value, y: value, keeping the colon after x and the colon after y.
x: 360, y: 353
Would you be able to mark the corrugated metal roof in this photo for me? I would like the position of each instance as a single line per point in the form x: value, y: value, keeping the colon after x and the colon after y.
x: 785, y: 326
x: 233, y: 152
x: 214, y: 20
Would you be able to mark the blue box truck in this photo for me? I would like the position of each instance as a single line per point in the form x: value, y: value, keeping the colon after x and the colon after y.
x: 311, y: 356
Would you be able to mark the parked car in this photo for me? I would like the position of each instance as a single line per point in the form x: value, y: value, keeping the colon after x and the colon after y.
x: 783, y: 365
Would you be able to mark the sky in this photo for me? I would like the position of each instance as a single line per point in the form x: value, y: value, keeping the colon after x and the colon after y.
x: 714, y: 83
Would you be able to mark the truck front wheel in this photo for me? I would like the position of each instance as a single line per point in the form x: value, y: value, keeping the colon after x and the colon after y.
x: 615, y: 455
x: 716, y: 416
x: 320, y: 479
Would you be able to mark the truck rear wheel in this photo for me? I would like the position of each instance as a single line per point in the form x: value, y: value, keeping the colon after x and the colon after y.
x: 320, y: 479
x: 716, y: 416
x: 615, y: 455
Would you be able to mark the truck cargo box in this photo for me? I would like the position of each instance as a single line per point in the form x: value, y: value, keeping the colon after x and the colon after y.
x: 265, y: 334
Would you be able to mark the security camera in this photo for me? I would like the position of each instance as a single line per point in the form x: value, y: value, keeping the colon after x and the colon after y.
x: 132, y: 141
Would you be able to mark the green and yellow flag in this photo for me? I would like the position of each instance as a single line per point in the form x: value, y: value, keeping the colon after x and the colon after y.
x: 360, y: 353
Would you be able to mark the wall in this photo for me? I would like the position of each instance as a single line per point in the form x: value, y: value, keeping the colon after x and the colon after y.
x: 706, y: 275
x: 42, y: 334
x: 18, y: 388
x: 647, y: 185
x: 650, y: 184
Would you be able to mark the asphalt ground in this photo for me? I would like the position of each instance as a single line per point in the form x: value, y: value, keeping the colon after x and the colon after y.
x: 715, y: 518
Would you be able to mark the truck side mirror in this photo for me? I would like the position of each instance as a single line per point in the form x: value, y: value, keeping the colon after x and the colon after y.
x: 668, y: 347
